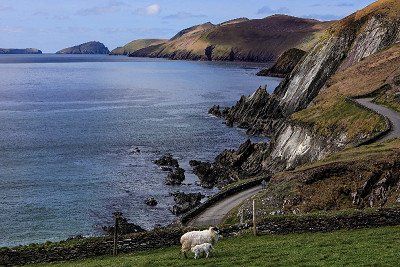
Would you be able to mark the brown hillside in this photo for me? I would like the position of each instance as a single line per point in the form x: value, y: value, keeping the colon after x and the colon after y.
x: 244, y: 40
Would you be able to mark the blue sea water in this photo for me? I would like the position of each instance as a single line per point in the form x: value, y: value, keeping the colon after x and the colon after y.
x: 68, y: 125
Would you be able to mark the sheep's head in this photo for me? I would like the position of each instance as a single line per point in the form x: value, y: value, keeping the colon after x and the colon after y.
x: 214, y: 229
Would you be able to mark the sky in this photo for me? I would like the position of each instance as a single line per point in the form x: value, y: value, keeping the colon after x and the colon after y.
x: 51, y: 25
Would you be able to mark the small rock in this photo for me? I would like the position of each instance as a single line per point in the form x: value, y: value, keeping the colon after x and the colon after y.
x: 185, y: 202
x: 175, y: 177
x: 167, y: 161
x: 124, y: 227
x: 151, y: 201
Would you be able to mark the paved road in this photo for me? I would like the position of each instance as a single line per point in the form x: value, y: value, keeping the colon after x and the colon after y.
x: 215, y: 214
x: 392, y: 115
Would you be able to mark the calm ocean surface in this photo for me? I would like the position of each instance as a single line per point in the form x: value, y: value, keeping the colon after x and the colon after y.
x: 68, y: 125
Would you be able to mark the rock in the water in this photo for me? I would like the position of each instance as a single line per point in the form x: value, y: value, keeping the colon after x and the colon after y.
x: 185, y: 202
x: 285, y: 64
x: 175, y: 177
x: 151, y: 201
x: 86, y: 48
x: 168, y: 161
x: 124, y: 227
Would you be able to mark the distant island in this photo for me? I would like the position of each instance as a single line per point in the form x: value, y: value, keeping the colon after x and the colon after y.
x: 20, y: 51
x: 93, y: 47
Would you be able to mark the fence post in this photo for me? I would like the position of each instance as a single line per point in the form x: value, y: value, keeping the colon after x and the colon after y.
x: 254, y: 218
x: 117, y: 216
x: 241, y: 216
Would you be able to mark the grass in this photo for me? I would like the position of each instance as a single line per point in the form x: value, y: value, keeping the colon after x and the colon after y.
x: 366, y: 247
x: 337, y: 116
x: 380, y: 149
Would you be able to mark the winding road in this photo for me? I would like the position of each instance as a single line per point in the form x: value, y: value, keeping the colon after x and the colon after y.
x: 393, y: 116
x: 215, y: 214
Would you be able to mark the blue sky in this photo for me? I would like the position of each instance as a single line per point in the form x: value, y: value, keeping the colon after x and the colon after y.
x: 51, y: 25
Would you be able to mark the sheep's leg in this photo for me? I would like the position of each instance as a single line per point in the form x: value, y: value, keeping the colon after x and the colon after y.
x: 207, y: 253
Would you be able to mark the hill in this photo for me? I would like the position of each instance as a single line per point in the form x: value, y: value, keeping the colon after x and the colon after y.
x: 92, y: 47
x: 20, y: 51
x: 136, y: 45
x: 240, y: 39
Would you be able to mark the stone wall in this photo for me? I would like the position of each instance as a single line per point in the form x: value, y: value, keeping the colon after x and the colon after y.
x: 166, y: 237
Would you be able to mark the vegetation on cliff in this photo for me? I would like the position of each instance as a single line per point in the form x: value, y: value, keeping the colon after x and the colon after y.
x: 330, y: 114
x: 353, y: 179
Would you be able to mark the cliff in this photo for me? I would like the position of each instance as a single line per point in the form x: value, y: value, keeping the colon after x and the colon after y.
x: 136, y: 45
x: 241, y: 39
x: 309, y: 116
x: 86, y: 48
x: 20, y: 51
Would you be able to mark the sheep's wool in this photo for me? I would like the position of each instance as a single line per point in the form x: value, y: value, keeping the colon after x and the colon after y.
x: 195, y: 238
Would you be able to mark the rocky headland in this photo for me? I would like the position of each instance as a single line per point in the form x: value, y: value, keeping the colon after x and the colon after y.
x: 92, y: 47
x: 311, y: 117
x: 294, y: 114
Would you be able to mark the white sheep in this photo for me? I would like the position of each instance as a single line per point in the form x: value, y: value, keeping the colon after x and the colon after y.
x: 195, y: 238
x: 205, y: 248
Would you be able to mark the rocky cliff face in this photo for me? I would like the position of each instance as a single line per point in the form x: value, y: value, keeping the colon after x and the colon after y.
x: 20, y: 51
x: 347, y: 42
x: 86, y: 48
x: 285, y: 64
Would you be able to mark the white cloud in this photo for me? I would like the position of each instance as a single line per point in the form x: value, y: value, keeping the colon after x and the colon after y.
x: 153, y: 9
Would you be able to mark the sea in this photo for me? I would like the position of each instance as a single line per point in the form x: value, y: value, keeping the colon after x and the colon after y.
x: 79, y: 134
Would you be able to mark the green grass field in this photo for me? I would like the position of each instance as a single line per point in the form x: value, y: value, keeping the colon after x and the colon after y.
x: 366, y: 247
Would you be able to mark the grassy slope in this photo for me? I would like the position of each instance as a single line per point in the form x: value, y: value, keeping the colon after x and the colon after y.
x: 262, y: 37
x: 136, y: 45
x: 378, y: 247
x: 331, y: 113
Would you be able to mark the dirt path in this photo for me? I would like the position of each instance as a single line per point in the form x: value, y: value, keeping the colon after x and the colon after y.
x: 214, y: 214
x: 392, y: 115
